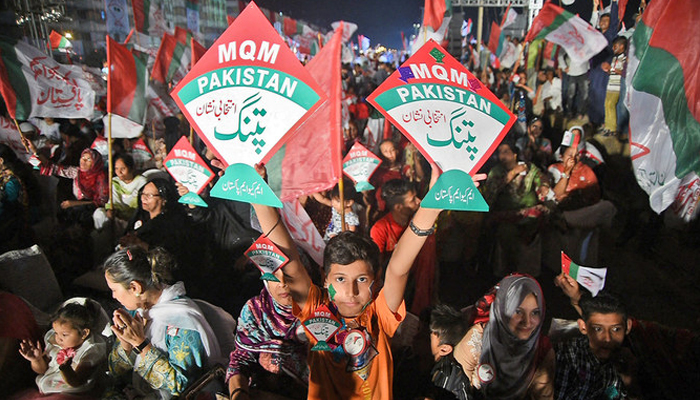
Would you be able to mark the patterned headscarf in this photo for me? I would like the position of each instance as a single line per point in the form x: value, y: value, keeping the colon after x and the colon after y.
x: 93, y: 182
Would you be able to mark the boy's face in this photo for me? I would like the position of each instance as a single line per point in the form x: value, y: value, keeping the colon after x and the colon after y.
x: 605, y: 332
x: 350, y: 287
x: 411, y: 204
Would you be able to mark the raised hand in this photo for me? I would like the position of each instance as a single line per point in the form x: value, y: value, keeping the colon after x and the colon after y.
x: 31, y: 351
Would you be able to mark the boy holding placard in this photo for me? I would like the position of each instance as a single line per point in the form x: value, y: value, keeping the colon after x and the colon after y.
x: 351, y: 316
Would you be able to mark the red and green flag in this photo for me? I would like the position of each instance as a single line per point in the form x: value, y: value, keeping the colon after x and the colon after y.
x: 575, y: 35
x: 58, y: 41
x: 197, y: 51
x: 663, y: 97
x: 436, y: 20
x: 592, y: 279
x: 148, y: 16
x: 172, y: 61
x: 34, y: 85
x: 126, y: 83
x: 316, y: 144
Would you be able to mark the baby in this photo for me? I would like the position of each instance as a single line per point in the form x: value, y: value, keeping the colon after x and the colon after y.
x: 73, y: 353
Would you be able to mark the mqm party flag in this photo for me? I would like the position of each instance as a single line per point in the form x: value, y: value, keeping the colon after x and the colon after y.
x: 58, y: 41
x: 126, y: 83
x: 451, y: 118
x: 315, y: 145
x: 149, y: 17
x: 34, y: 85
x: 173, y: 60
x: 436, y: 20
x: 663, y: 96
x: 592, y: 279
x: 243, y: 97
x: 495, y: 39
x: 575, y: 35
x: 189, y: 169
x: 198, y: 51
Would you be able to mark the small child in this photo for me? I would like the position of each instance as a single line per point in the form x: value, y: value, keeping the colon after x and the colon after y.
x: 73, y: 352
x: 352, y: 221
x: 612, y: 96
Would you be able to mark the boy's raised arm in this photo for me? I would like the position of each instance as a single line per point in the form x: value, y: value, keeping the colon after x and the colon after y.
x: 272, y: 225
x: 409, y: 246
x: 406, y: 250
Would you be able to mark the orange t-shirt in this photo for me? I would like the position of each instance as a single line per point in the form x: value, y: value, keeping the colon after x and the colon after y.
x: 329, y: 378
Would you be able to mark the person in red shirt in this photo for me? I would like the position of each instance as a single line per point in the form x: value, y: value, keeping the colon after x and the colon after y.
x: 402, y: 202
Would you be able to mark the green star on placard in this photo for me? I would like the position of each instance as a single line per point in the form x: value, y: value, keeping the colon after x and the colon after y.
x: 437, y: 55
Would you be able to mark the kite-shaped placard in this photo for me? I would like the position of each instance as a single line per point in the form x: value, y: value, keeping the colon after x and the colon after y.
x: 267, y: 257
x: 359, y: 164
x: 190, y: 170
x: 321, y: 325
x: 243, y: 97
x: 450, y: 116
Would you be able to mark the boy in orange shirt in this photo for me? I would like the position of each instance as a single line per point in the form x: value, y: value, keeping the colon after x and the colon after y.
x: 359, y: 362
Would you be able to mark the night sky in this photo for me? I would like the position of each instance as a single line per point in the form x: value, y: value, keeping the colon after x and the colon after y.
x: 384, y: 20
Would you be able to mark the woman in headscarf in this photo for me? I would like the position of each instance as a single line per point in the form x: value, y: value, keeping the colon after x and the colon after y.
x: 504, y: 354
x: 160, y: 221
x: 90, y: 186
x: 269, y: 354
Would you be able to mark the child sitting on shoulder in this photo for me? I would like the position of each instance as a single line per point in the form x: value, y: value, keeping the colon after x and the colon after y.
x: 352, y: 221
x: 358, y: 361
x: 73, y: 352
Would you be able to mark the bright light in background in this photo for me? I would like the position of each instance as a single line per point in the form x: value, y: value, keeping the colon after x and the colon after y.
x: 69, y: 36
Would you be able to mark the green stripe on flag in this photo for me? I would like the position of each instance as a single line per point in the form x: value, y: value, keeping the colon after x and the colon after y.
x: 660, y: 74
x: 175, y: 61
x: 573, y: 270
x: 146, y: 15
x: 137, y: 112
x: 560, y: 20
x: 16, y: 78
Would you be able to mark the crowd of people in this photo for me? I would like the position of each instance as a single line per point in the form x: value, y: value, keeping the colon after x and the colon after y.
x: 178, y: 272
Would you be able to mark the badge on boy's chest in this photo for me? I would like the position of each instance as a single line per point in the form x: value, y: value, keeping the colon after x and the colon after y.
x: 321, y: 325
x: 359, y: 349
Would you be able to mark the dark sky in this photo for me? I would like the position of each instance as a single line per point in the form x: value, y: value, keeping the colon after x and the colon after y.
x: 383, y: 20
x: 380, y: 20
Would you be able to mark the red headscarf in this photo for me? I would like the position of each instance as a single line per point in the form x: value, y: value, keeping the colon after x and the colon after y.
x: 93, y: 182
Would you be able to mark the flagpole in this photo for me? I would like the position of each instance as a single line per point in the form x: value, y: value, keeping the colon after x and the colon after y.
x: 110, y: 170
x: 21, y: 136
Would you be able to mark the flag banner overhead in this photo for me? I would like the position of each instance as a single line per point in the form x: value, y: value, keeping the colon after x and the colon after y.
x: 122, y: 128
x: 663, y: 97
x: 310, y: 161
x: 59, y: 41
x: 34, y: 85
x: 592, y: 279
x: 246, y: 93
x: 173, y: 60
x: 126, y: 83
x: 189, y: 169
x: 10, y: 136
x: 451, y: 118
x: 575, y: 35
